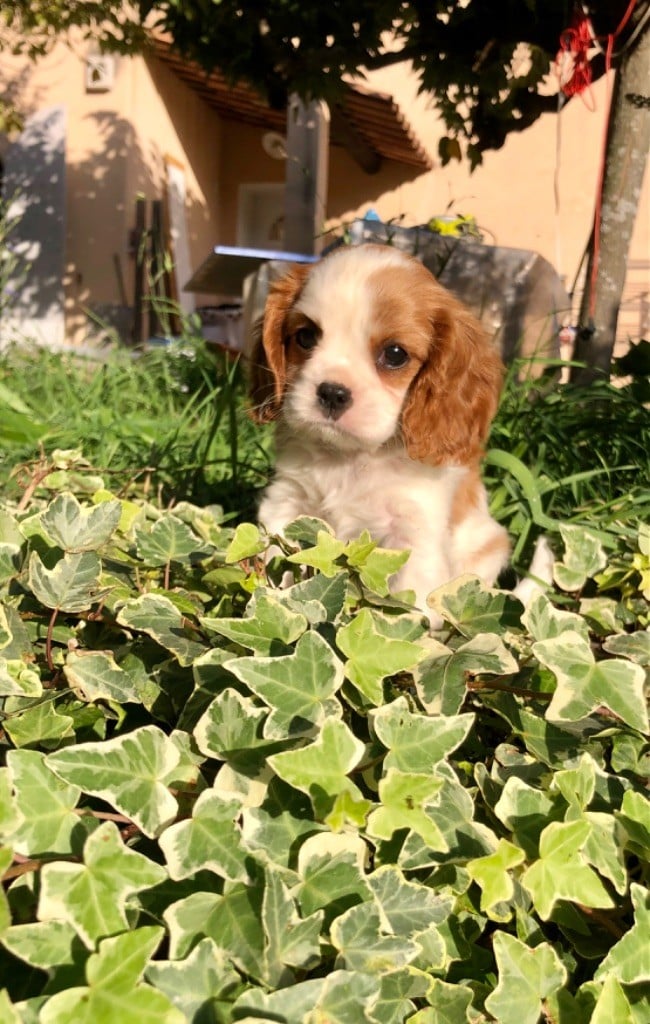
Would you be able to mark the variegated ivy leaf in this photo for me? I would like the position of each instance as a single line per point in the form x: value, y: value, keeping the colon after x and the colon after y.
x: 584, y: 685
x: 194, y: 985
x: 492, y: 873
x: 343, y: 997
x: 373, y: 653
x: 319, y: 599
x: 155, y: 615
x: 331, y: 871
x: 441, y: 678
x: 375, y: 565
x: 472, y: 608
x: 321, y: 769
x: 9, y: 815
x: 6, y: 858
x: 408, y: 800
x: 612, y: 1005
x: 94, y: 675
x: 93, y: 896
x: 417, y: 742
x: 231, y: 725
x: 40, y: 725
x: 5, y: 632
x: 324, y: 555
x: 635, y: 646
x: 299, y: 687
x: 629, y: 958
x: 246, y: 543
x: 46, y: 805
x: 449, y: 1004
x: 115, y: 990
x: 583, y: 558
x: 526, y: 810
x: 405, y: 907
x: 267, y: 624
x: 74, y: 528
x: 634, y: 816
x: 46, y: 944
x: 233, y: 921
x: 18, y: 679
x: 289, y: 940
x: 544, y: 621
x: 209, y: 840
x: 169, y: 540
x: 71, y: 586
x: 527, y: 978
x: 562, y: 871
x: 364, y: 946
x: 128, y: 772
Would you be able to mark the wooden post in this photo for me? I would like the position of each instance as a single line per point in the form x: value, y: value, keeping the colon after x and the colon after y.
x: 140, y: 258
x: 306, y: 175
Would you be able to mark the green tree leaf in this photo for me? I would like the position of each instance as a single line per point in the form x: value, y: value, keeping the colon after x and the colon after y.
x: 321, y: 769
x: 299, y: 687
x: 584, y: 685
x: 210, y: 840
x: 92, y: 896
x: 71, y: 586
x: 128, y: 772
x: 527, y: 977
x: 372, y: 655
x: 562, y: 873
x: 114, y: 991
x: 74, y: 528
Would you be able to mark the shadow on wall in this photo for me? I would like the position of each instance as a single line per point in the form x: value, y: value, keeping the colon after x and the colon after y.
x: 75, y: 228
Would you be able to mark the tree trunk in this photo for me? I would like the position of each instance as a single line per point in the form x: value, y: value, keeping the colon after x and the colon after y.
x: 628, y: 142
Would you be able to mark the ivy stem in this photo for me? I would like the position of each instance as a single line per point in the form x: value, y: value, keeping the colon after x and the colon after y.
x: 48, y: 641
x: 476, y: 685
x: 166, y: 578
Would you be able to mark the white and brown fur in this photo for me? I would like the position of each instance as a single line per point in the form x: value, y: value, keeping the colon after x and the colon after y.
x: 399, y: 454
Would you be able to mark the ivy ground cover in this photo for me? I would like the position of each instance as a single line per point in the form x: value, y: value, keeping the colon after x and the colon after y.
x: 224, y: 801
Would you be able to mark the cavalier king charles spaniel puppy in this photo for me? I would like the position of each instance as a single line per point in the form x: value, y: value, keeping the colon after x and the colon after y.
x: 383, y: 387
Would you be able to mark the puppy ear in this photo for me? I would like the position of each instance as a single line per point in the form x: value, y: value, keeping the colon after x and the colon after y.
x: 268, y: 373
x: 454, y: 396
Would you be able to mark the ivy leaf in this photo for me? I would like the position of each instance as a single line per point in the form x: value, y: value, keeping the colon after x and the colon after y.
x: 441, y: 679
x: 169, y: 540
x: 155, y: 615
x: 629, y: 959
x: 343, y: 997
x: 323, y: 555
x: 71, y: 586
x: 128, y: 772
x: 544, y: 621
x: 232, y: 921
x: 40, y: 725
x: 612, y: 1004
x: 267, y: 624
x: 321, y: 769
x: 362, y: 944
x: 449, y: 1004
x: 472, y: 608
x: 74, y: 528
x: 231, y: 724
x: 331, y: 874
x: 46, y: 806
x: 198, y: 984
x: 492, y: 874
x: 525, y: 811
x: 92, y: 896
x: 46, y: 944
x: 94, y: 675
x: 372, y: 655
x: 635, y: 646
x: 298, y: 687
x: 583, y: 558
x: 634, y: 816
x: 584, y: 685
x: 247, y: 542
x: 210, y: 840
x: 18, y: 679
x: 406, y: 908
x: 114, y: 991
x: 527, y: 978
x: 561, y: 873
x: 407, y: 800
x: 288, y: 939
x: 319, y: 599
x: 375, y: 565
x: 416, y: 742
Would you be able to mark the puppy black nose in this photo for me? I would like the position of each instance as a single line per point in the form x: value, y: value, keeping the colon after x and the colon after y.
x: 333, y: 399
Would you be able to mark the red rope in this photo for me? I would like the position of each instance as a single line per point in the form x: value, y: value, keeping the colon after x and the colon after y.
x: 575, y: 43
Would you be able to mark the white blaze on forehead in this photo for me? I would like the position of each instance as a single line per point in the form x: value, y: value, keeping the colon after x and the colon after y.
x: 338, y: 298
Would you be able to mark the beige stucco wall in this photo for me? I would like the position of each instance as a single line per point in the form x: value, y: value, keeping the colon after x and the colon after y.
x: 117, y: 142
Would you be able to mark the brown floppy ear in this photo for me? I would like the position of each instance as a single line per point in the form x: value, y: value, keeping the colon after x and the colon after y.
x: 454, y: 396
x: 268, y: 374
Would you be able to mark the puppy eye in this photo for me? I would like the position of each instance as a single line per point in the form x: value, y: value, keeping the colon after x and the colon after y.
x: 306, y: 338
x: 393, y: 357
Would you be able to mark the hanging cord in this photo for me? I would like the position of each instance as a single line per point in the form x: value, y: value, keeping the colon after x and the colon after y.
x: 575, y: 75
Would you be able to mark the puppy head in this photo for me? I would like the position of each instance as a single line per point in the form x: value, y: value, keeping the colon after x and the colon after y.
x: 366, y: 347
